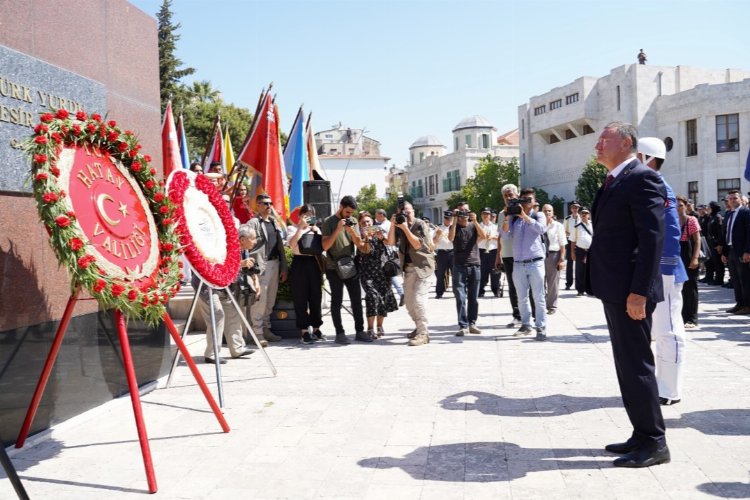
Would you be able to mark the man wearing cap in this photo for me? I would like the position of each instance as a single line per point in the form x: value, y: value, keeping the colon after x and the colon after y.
x: 667, y: 329
x: 443, y: 253
x: 580, y: 242
x: 569, y: 224
x: 271, y: 259
x: 623, y: 272
x: 488, y: 254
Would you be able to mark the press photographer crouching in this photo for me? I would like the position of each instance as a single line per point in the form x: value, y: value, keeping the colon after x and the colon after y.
x: 371, y: 255
x: 305, y: 274
x: 228, y: 320
x: 417, y: 262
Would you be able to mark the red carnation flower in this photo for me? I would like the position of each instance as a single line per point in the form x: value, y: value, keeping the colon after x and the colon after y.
x: 41, y: 176
x: 152, y: 170
x: 57, y: 137
x: 147, y: 158
x: 112, y: 123
x: 128, y: 132
x: 132, y: 295
x: 71, y: 214
x: 167, y: 247
x: 113, y: 135
x: 41, y: 128
x: 63, y: 194
x: 85, y: 261
x: 40, y: 158
x: 99, y: 285
x: 135, y: 166
x: 76, y: 129
x: 180, y: 264
x: 159, y: 197
x: 62, y: 221
x: 167, y: 221
x: 132, y: 153
x: 49, y: 197
x: 150, y: 184
x: 96, y: 117
x: 122, y: 146
x: 117, y: 289
x: 47, y: 117
x: 81, y: 115
x: 40, y: 139
x: 62, y: 113
x: 75, y: 244
x: 55, y: 171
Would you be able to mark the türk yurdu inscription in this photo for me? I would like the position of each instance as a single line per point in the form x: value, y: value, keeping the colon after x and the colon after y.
x: 29, y: 86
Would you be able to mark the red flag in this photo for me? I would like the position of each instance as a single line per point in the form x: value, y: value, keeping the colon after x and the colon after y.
x: 170, y: 147
x: 262, y: 156
x: 215, y: 149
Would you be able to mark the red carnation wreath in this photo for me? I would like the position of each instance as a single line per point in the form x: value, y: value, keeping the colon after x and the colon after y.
x: 109, y: 221
x: 206, y: 228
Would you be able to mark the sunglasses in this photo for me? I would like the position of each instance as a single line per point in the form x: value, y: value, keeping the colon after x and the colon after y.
x: 267, y: 203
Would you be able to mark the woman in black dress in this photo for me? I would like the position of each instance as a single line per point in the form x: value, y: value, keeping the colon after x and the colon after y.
x: 379, y: 299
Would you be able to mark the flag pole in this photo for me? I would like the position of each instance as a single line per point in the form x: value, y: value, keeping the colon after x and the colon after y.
x: 211, y: 139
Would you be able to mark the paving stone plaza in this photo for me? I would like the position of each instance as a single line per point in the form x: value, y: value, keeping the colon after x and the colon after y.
x: 483, y: 416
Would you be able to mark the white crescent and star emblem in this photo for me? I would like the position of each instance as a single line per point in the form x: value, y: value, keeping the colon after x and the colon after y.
x: 100, y: 208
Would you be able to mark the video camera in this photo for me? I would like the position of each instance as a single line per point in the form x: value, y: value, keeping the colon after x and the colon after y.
x: 514, y: 205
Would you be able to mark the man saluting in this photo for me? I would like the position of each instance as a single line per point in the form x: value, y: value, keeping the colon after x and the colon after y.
x: 623, y: 272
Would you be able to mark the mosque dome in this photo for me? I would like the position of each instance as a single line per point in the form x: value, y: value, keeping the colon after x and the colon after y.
x: 476, y: 121
x: 426, y: 140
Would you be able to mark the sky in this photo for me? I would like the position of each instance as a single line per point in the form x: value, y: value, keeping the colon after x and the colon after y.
x: 404, y: 69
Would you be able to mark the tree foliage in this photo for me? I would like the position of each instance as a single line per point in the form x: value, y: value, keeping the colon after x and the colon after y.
x: 171, y: 70
x: 591, y: 179
x: 199, y: 118
x: 483, y: 189
x: 367, y: 199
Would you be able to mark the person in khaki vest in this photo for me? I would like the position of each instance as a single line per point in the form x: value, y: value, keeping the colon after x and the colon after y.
x: 418, y: 264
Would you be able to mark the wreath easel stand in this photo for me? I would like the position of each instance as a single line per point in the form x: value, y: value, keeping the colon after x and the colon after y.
x: 122, y: 332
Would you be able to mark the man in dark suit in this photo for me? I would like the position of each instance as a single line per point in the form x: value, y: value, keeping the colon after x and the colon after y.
x: 623, y: 272
x: 736, y: 252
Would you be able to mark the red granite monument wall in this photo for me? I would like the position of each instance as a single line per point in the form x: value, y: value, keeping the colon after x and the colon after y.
x: 114, y: 44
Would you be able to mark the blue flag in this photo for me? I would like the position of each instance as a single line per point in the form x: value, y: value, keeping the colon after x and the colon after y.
x: 747, y: 167
x: 296, y: 162
x: 183, y: 144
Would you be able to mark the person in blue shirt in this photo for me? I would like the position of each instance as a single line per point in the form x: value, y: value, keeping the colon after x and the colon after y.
x: 529, y: 252
x: 667, y: 329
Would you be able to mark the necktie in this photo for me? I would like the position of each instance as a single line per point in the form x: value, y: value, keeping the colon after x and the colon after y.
x: 608, y: 181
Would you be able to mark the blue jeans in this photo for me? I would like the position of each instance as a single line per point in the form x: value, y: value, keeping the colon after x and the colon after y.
x: 466, y: 290
x: 525, y: 275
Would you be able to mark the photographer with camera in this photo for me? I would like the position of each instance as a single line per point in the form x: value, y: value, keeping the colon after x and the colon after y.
x: 504, y: 258
x: 528, y: 228
x: 306, y: 278
x: 417, y: 263
x: 443, y: 253
x: 340, y: 235
x: 465, y: 233
x: 488, y: 254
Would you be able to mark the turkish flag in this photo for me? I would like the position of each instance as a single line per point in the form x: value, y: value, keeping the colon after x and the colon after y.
x: 170, y: 146
x: 262, y: 156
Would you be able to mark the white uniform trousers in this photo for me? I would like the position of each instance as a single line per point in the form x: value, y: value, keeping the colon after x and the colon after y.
x: 668, y: 333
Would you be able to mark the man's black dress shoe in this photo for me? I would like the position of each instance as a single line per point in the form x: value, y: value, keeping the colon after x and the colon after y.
x: 212, y: 361
x: 245, y: 352
x: 668, y: 402
x: 621, y: 448
x: 644, y: 458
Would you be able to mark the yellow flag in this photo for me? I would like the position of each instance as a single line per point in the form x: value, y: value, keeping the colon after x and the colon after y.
x: 229, y: 156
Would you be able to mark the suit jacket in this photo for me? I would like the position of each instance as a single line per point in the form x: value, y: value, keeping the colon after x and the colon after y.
x: 628, y: 220
x: 260, y: 251
x: 740, y: 232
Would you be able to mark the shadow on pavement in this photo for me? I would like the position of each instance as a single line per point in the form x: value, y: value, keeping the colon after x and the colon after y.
x: 726, y: 490
x: 546, y: 406
x: 719, y: 422
x: 484, y: 461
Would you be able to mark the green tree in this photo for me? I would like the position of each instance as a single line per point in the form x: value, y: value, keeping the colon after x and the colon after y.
x: 483, y: 189
x: 367, y: 199
x: 199, y: 120
x: 591, y: 179
x: 170, y: 67
x: 203, y: 91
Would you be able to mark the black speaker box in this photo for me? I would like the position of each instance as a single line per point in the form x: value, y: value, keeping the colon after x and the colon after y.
x: 318, y: 194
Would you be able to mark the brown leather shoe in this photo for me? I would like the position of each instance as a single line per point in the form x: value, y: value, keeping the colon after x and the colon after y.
x: 742, y: 310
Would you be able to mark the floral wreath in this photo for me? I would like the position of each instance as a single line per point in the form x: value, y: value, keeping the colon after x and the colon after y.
x: 145, y: 298
x: 218, y: 269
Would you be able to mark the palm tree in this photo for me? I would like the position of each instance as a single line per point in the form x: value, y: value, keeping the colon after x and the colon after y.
x: 202, y: 91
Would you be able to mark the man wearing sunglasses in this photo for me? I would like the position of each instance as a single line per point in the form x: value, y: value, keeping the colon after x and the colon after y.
x: 269, y: 254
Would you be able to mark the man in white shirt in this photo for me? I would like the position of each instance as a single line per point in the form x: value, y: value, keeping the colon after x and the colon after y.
x: 555, y: 260
x: 488, y: 254
x: 443, y: 253
x: 569, y: 224
x: 581, y: 237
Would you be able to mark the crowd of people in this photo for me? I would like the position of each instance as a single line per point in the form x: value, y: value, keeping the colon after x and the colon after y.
x: 639, y: 249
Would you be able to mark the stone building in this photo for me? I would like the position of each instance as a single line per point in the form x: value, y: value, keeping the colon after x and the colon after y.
x: 434, y: 174
x: 351, y: 161
x: 699, y: 113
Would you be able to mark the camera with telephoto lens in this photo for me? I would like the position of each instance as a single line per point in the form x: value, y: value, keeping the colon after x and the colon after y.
x: 350, y: 222
x: 400, y: 217
x: 514, y: 205
x: 461, y: 213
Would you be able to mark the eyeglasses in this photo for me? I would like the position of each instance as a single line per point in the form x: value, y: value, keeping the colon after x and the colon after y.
x: 267, y: 203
